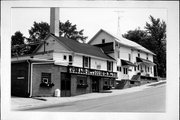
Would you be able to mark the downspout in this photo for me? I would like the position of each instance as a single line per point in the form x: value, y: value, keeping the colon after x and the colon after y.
x: 32, y: 74
x: 29, y: 76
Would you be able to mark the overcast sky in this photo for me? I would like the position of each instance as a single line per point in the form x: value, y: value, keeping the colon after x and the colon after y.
x: 89, y: 19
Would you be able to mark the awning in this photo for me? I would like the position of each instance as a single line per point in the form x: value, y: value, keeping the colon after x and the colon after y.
x: 144, y: 61
x: 126, y: 63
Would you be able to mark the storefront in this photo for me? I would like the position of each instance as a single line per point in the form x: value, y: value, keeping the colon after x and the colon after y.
x: 84, y: 80
x: 32, y: 78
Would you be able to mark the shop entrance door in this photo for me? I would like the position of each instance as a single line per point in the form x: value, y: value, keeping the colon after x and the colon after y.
x: 65, y: 85
x: 95, y: 84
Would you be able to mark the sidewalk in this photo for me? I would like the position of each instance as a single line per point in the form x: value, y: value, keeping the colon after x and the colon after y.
x: 19, y: 103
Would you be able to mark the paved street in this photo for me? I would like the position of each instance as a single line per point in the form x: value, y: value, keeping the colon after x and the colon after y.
x: 151, y: 99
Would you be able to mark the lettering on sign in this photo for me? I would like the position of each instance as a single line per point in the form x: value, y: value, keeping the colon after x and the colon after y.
x: 91, y: 72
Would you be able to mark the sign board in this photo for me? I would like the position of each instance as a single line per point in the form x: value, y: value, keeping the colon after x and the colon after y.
x: 91, y: 72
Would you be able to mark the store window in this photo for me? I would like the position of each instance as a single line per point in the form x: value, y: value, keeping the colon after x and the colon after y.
x: 46, y: 78
x: 82, y: 82
x: 109, y: 66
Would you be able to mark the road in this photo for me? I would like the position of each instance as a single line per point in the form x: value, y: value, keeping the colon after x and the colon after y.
x: 151, y: 99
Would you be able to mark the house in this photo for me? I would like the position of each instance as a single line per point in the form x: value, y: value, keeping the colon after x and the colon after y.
x: 62, y: 64
x: 74, y: 68
x: 134, y: 63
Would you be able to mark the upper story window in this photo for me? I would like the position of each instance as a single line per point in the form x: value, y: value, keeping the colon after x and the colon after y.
x: 118, y: 54
x: 119, y: 68
x: 103, y: 41
x: 86, y: 62
x: 64, y: 57
x: 138, y: 54
x: 129, y: 57
x: 109, y: 66
x: 147, y: 56
x: 70, y: 58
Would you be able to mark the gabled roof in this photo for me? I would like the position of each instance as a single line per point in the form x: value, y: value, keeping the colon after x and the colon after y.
x: 82, y: 48
x: 123, y: 41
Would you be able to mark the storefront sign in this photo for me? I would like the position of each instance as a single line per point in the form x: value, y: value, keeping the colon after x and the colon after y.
x: 92, y: 72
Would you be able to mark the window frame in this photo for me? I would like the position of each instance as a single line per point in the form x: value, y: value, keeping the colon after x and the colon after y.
x: 109, y: 65
x: 47, y: 76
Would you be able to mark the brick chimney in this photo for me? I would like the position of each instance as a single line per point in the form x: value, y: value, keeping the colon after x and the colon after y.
x: 54, y: 21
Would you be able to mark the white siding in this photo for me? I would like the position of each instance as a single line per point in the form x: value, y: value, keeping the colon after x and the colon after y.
x: 95, y: 63
x: 52, y: 44
x: 98, y: 39
x: 59, y: 58
x: 78, y: 61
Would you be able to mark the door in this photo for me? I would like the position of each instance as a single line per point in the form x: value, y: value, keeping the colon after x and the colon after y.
x: 65, y: 85
x: 19, y: 80
x: 95, y: 84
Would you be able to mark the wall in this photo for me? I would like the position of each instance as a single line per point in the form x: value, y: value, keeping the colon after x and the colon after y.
x: 55, y: 78
x: 98, y: 39
x: 79, y: 91
x: 52, y: 44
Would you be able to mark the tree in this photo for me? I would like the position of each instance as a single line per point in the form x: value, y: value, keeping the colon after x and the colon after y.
x: 17, y: 40
x: 40, y: 30
x: 157, y: 33
x: 154, y: 39
x: 37, y: 34
x: 70, y: 31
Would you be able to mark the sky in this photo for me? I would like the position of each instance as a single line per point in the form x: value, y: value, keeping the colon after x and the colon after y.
x: 89, y: 19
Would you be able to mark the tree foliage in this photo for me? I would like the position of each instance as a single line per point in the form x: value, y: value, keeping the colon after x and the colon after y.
x: 17, y: 40
x: 37, y: 34
x: 154, y: 39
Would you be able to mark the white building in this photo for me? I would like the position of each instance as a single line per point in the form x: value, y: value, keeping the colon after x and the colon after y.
x: 131, y: 57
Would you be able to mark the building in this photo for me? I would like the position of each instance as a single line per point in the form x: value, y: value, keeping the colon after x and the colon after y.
x: 134, y: 62
x: 60, y: 63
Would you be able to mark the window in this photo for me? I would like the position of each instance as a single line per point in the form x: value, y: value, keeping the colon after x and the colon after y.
x: 46, y: 78
x: 70, y: 58
x: 147, y: 56
x: 138, y: 54
x: 118, y: 54
x: 86, y: 62
x: 129, y: 57
x: 134, y: 68
x: 145, y: 69
x: 81, y: 80
x: 125, y: 70
x: 148, y: 69
x: 118, y: 68
x: 109, y: 66
x: 105, y: 83
x: 138, y: 67
x: 64, y: 57
x: 103, y: 41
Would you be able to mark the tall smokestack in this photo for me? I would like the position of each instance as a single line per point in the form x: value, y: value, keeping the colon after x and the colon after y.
x: 54, y: 21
